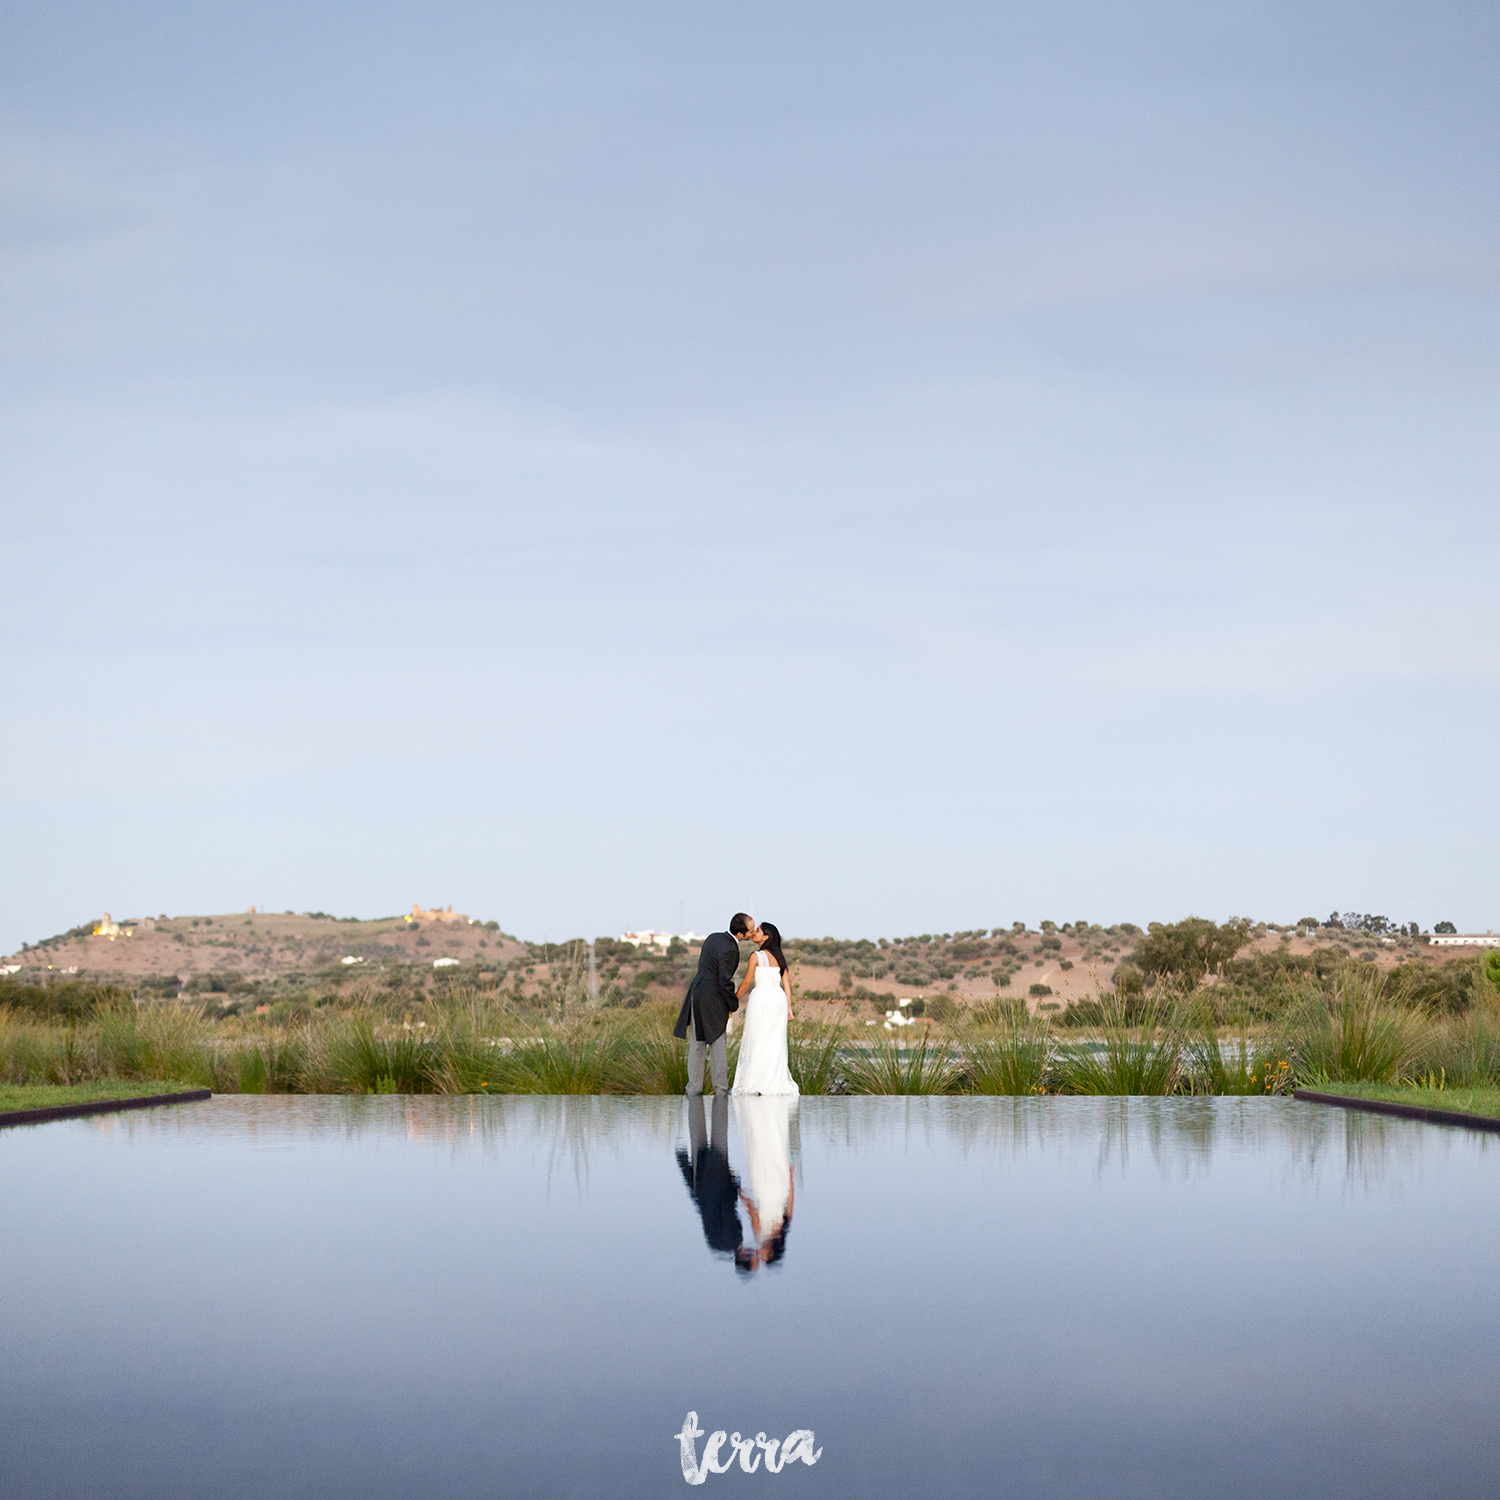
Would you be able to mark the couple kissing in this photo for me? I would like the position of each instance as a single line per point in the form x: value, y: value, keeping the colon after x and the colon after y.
x: 713, y: 997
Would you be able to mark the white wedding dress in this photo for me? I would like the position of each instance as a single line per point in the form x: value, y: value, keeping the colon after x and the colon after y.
x: 766, y: 1129
x: 762, y: 1066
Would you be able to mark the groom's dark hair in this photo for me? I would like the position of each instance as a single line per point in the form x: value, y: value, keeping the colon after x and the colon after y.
x: 740, y: 924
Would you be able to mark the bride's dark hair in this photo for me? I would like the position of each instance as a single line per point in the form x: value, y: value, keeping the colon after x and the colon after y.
x: 772, y: 944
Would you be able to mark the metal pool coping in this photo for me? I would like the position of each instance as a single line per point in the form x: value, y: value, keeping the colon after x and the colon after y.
x: 97, y: 1107
x: 1402, y: 1111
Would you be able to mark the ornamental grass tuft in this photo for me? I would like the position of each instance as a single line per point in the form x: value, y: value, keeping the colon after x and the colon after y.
x: 1361, y: 1031
x: 890, y: 1065
x: 813, y: 1057
x: 1014, y: 1060
x: 1139, y: 1053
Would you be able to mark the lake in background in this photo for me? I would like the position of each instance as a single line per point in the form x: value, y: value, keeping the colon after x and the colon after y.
x: 437, y: 1296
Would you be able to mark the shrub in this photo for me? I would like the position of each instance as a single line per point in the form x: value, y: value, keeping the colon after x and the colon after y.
x: 1190, y: 948
x: 942, y: 1007
x: 61, y: 999
x: 1041, y: 989
x: 1007, y: 1010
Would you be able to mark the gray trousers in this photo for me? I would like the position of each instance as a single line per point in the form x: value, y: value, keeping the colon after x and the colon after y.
x: 718, y: 1058
x: 697, y: 1133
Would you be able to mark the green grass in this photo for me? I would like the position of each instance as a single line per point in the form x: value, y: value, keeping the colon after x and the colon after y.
x: 48, y: 1095
x: 1014, y: 1060
x: 1468, y: 1101
x: 1361, y: 1029
x: 812, y: 1057
x: 1362, y: 1032
x: 893, y: 1066
x: 1145, y: 1057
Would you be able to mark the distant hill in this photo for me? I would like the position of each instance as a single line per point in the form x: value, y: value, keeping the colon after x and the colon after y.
x: 220, y: 953
x: 241, y: 960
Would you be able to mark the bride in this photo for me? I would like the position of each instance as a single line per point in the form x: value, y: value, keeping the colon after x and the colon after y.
x: 762, y: 1067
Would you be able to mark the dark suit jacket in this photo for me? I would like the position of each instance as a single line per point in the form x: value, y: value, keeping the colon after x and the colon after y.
x: 716, y: 1192
x: 711, y: 997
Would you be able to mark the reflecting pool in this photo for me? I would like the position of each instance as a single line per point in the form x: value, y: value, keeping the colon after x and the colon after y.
x: 971, y: 1297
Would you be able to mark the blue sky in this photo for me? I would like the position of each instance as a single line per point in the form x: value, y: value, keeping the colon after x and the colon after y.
x: 914, y: 469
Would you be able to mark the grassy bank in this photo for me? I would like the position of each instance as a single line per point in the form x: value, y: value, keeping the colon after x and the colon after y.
x: 1472, y: 1101
x: 49, y: 1095
x: 1359, y: 1028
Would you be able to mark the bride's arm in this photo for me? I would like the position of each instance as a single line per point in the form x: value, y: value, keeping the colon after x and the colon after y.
x: 739, y: 994
x: 786, y: 984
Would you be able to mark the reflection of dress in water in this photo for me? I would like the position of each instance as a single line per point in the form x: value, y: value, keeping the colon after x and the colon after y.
x: 762, y: 1068
x: 713, y: 1186
x: 766, y: 1128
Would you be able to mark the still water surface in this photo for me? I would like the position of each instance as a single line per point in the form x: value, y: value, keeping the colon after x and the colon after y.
x: 962, y: 1297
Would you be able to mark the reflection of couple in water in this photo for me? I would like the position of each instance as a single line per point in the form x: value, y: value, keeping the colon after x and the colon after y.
x: 765, y: 1128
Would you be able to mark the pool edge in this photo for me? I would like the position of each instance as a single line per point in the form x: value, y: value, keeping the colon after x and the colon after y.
x: 1401, y: 1111
x: 97, y: 1107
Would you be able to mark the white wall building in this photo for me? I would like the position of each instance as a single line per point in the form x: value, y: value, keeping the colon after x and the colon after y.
x: 650, y: 939
x: 1465, y: 940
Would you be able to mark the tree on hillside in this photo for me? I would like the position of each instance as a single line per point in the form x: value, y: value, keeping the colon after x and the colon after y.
x: 1444, y: 927
x: 1190, y: 948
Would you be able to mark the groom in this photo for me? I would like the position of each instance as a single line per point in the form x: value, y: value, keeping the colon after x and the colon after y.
x: 708, y: 1004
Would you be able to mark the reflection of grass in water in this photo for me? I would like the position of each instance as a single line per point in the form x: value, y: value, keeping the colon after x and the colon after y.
x: 890, y: 1066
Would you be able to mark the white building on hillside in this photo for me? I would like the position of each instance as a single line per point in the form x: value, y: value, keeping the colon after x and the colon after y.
x: 650, y: 939
x: 1465, y: 940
